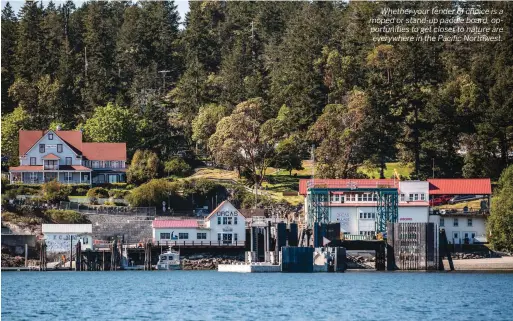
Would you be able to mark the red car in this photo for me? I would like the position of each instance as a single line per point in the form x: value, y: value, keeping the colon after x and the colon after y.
x: 436, y: 202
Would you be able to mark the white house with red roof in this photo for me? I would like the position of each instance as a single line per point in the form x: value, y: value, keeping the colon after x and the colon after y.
x: 467, y: 225
x: 224, y: 226
x: 61, y: 155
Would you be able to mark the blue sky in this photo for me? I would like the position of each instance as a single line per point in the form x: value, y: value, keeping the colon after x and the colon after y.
x: 183, y: 5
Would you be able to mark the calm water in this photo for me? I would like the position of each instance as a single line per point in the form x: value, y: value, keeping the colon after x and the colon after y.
x: 210, y: 295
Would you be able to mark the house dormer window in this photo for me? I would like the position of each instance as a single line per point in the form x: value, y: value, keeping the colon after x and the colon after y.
x: 59, y: 148
x: 41, y: 148
x: 50, y: 136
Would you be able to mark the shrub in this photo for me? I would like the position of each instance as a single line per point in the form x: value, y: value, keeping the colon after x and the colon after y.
x: 177, y: 166
x: 98, y: 192
x: 113, y: 185
x: 54, y: 192
x: 151, y: 193
x: 118, y: 193
x: 95, y: 193
x: 81, y: 191
x: 5, y: 183
x: 109, y: 203
x: 66, y: 216
x: 11, y: 194
x: 17, y: 218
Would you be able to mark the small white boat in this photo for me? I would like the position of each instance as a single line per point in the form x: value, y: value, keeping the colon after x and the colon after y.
x: 169, y: 260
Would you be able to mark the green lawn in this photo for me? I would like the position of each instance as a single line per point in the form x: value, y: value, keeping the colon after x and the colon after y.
x: 402, y: 169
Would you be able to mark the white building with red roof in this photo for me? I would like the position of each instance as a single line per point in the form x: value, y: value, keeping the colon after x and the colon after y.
x: 61, y: 155
x: 356, y: 211
x: 224, y: 226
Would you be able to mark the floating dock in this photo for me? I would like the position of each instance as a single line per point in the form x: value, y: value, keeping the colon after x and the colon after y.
x: 249, y: 268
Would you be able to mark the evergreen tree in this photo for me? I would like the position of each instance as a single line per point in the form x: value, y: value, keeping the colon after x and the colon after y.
x: 9, y: 38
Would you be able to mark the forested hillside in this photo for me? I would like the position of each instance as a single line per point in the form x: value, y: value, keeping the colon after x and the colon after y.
x: 255, y: 84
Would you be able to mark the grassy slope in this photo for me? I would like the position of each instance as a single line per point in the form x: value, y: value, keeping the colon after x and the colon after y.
x: 279, y: 181
x: 402, y: 169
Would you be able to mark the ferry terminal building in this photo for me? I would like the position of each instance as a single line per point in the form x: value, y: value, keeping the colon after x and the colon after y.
x: 357, y: 211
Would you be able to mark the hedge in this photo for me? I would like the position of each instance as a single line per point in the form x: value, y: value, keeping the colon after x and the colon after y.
x: 66, y: 216
x: 97, y: 192
x: 115, y: 185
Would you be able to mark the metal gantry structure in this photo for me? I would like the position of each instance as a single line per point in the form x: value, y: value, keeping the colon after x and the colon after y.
x: 319, y: 208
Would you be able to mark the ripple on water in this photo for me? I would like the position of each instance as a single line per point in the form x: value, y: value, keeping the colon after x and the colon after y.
x: 209, y: 295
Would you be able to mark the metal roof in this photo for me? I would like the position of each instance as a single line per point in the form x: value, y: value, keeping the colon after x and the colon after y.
x: 460, y: 186
x: 175, y: 224
x: 346, y: 183
x: 67, y: 228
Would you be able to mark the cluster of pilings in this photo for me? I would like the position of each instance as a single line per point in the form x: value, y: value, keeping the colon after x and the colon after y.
x: 267, y: 239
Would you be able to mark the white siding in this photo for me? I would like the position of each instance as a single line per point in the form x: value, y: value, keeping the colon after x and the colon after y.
x: 51, y: 148
x: 67, y: 228
x: 413, y: 214
x: 413, y: 187
x: 215, y: 228
x: 175, y: 232
x: 456, y: 234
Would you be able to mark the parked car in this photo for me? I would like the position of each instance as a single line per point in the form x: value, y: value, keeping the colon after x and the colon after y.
x: 464, y: 198
x: 436, y: 202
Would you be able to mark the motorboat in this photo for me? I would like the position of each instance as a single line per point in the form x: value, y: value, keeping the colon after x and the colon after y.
x: 169, y: 260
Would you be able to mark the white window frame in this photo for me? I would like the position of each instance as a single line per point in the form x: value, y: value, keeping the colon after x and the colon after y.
x: 455, y: 223
x: 422, y: 197
x: 402, y: 197
x: 35, y: 161
x: 469, y: 222
x: 164, y: 234
x: 50, y: 136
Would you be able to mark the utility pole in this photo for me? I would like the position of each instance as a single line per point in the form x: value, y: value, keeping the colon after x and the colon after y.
x: 85, y: 62
x: 164, y: 72
x: 433, y: 168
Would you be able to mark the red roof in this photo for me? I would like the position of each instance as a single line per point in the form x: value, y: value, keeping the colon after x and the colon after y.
x: 91, y: 151
x: 27, y: 139
x: 38, y: 168
x: 460, y: 186
x: 345, y: 183
x: 175, y: 224
x: 373, y: 204
x: 104, y: 151
x: 51, y: 156
x: 27, y: 168
x: 72, y: 137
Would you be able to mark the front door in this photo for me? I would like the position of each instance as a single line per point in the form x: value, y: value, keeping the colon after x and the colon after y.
x: 456, y: 237
x: 50, y: 177
x: 227, y: 238
x: 113, y: 179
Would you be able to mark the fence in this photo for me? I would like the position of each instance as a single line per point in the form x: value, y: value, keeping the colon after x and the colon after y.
x: 109, y: 210
x: 358, y: 237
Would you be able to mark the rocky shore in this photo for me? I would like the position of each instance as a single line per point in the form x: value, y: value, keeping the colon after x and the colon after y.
x: 360, y: 262
x: 474, y: 255
x: 16, y: 261
x: 208, y: 262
